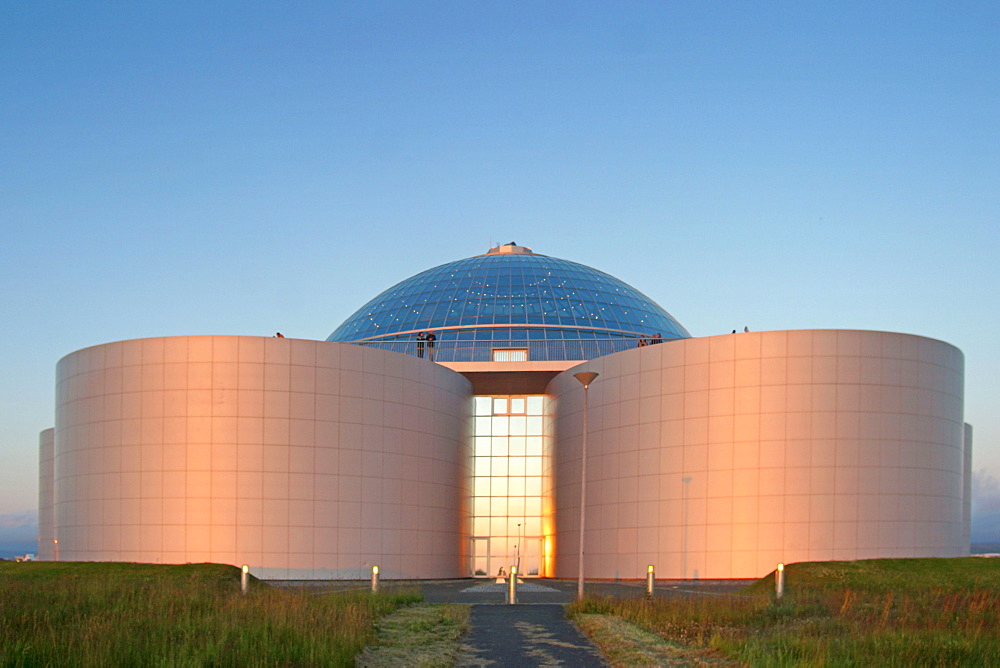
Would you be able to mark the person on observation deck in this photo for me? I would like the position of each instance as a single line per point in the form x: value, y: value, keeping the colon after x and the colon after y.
x: 431, y: 338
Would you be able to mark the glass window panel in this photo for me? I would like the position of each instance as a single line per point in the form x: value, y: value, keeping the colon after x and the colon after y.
x: 498, y: 527
x: 533, y: 445
x: 499, y: 446
x: 515, y: 486
x: 499, y: 427
x: 515, y: 506
x: 500, y: 466
x: 515, y: 466
x: 509, y: 355
x: 482, y: 467
x: 533, y: 486
x: 483, y: 446
x: 483, y: 426
x: 481, y: 487
x: 499, y: 488
x: 481, y: 526
x: 517, y: 405
x: 518, y: 425
x: 517, y: 445
x: 481, y: 506
x: 498, y: 507
x: 499, y: 405
x: 483, y: 405
x: 534, y: 426
x: 533, y: 523
x: 533, y: 466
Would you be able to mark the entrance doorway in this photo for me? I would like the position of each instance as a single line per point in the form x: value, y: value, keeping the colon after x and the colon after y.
x: 486, y: 563
x: 479, y: 558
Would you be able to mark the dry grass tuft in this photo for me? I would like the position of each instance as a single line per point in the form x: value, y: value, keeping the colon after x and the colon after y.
x: 422, y: 635
x: 626, y: 644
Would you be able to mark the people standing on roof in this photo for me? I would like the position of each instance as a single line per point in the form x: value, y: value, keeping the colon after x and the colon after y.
x: 657, y: 338
x: 430, y: 345
x: 421, y: 337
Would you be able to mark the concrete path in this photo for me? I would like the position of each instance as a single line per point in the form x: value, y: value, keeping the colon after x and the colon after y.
x: 526, y: 635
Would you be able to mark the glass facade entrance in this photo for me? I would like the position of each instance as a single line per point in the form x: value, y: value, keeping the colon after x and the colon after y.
x: 511, y: 486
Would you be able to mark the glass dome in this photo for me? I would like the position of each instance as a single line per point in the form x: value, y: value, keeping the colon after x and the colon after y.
x: 510, y: 304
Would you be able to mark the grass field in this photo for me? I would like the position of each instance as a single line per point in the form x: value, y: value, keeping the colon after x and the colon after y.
x: 905, y: 612
x: 888, y: 612
x: 66, y: 614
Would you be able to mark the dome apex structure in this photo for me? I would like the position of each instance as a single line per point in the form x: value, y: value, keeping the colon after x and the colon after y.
x: 512, y: 247
x: 511, y: 298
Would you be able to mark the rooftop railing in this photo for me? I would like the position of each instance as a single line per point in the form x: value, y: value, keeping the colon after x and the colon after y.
x: 509, y: 350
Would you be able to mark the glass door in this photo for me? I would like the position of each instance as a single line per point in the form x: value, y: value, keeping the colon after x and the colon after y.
x: 480, y: 557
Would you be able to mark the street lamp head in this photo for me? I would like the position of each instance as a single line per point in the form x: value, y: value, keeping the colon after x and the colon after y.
x: 585, y: 377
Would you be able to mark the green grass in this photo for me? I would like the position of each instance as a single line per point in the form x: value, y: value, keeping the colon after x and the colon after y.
x: 69, y: 614
x: 890, y: 612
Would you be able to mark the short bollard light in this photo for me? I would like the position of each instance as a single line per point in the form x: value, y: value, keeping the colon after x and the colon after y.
x: 650, y: 575
x: 374, y: 579
x: 245, y: 579
x: 512, y: 589
x: 779, y: 581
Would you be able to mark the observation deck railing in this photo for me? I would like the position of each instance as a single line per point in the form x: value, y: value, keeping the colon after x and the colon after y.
x: 507, y: 350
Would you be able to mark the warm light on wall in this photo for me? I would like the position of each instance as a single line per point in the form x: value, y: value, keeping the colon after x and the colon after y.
x: 548, y: 555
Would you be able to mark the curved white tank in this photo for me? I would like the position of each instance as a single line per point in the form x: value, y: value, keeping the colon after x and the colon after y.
x: 302, y: 459
x: 719, y: 457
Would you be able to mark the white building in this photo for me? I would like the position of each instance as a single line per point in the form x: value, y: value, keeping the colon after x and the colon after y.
x: 712, y: 457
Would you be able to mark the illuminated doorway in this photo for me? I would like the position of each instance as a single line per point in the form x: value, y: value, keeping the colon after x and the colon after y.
x: 512, y: 483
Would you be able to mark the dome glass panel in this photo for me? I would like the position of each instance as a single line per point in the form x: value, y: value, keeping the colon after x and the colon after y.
x: 510, y: 298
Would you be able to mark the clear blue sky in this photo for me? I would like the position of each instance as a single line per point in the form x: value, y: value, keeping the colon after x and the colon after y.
x: 242, y: 168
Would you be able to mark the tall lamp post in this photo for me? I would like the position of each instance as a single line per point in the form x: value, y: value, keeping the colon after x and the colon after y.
x: 585, y: 378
